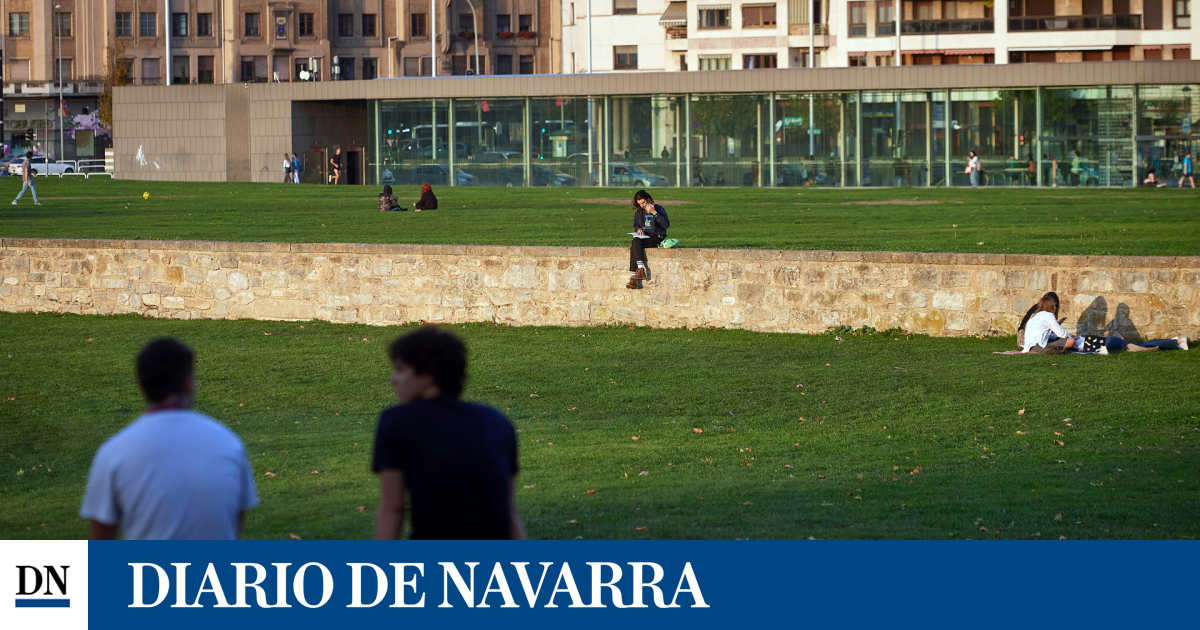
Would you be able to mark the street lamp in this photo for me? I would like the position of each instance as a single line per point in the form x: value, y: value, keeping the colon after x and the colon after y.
x: 58, y: 28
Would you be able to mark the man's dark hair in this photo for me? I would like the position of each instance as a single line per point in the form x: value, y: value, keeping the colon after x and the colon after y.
x: 163, y: 367
x: 429, y: 350
x: 29, y: 154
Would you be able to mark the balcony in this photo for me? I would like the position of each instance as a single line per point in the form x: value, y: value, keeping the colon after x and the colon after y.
x: 1076, y: 23
x: 802, y: 29
x: 944, y: 27
x: 51, y: 88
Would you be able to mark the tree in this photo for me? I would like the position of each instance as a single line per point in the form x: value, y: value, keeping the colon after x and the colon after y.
x: 116, y: 72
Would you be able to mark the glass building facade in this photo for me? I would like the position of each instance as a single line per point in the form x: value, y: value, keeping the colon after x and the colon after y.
x: 1109, y: 135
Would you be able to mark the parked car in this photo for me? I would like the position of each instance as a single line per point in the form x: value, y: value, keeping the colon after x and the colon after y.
x: 4, y: 162
x: 439, y: 174
x: 496, y: 156
x: 460, y: 151
x: 539, y: 175
x: 41, y: 165
x: 629, y: 175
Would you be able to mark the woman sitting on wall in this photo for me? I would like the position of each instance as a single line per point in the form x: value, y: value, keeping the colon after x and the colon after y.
x: 650, y: 223
x: 428, y: 201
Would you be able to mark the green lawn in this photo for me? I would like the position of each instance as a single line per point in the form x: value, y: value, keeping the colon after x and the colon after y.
x: 888, y: 437
x: 999, y: 220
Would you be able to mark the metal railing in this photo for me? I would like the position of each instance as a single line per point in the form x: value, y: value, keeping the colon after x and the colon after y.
x: 922, y: 27
x: 885, y: 29
x: 1076, y: 23
x: 802, y: 29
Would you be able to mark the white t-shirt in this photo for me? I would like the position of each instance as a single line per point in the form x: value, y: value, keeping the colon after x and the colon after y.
x: 973, y: 164
x: 171, y: 475
x: 1038, y: 329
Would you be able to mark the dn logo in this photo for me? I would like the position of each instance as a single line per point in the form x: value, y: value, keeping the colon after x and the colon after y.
x: 30, y: 580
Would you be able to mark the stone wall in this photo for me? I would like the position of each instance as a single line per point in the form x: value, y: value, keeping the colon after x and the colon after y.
x: 765, y: 290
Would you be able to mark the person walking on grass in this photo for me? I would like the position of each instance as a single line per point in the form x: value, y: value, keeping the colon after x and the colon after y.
x: 456, y: 460
x: 287, y: 169
x: 296, y: 168
x: 336, y: 162
x: 173, y: 474
x: 973, y: 169
x: 1188, y: 168
x: 649, y: 220
x: 27, y: 180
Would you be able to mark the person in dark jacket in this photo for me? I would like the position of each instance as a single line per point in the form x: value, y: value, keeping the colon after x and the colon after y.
x: 428, y: 201
x: 649, y: 221
x: 387, y: 201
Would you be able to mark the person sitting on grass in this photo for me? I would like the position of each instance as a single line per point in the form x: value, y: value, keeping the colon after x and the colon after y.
x: 387, y: 201
x: 1033, y: 311
x: 651, y: 220
x: 456, y: 460
x: 1043, y: 331
x: 428, y: 201
x: 1152, y: 181
x: 174, y: 473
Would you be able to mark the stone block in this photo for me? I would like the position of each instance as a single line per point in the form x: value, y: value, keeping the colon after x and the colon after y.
x: 238, y: 281
x: 749, y: 293
x: 172, y: 302
x: 270, y: 308
x: 949, y: 300
x: 913, y: 299
x: 1132, y: 282
x: 926, y: 278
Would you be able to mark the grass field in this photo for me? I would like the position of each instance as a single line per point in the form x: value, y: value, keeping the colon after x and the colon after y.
x: 1000, y: 220
x: 877, y: 437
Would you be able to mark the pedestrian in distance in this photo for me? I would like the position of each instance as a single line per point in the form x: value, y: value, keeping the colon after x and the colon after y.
x: 27, y: 180
x: 650, y: 225
x: 456, y: 460
x: 428, y: 200
x: 973, y: 169
x: 287, y: 169
x: 296, y: 168
x: 1188, y: 168
x: 174, y: 473
x: 336, y: 162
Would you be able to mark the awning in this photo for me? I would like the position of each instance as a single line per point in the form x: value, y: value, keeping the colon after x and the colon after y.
x: 970, y: 51
x: 1057, y: 48
x: 675, y: 15
x: 1151, y: 47
x: 1180, y: 47
x: 716, y: 56
x: 856, y: 54
x: 713, y: 7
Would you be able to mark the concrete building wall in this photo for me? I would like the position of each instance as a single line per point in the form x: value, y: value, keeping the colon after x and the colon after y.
x: 182, y: 133
x: 763, y: 290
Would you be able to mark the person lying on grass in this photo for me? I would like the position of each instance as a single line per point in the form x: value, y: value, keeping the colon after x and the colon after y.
x: 457, y: 460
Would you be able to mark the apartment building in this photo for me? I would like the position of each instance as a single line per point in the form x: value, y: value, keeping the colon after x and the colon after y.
x: 173, y: 42
x: 748, y: 34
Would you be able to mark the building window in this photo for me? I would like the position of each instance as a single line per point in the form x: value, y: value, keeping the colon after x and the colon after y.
x: 148, y: 24
x: 503, y: 23
x: 624, y: 7
x: 204, y: 24
x: 527, y: 63
x: 714, y: 62
x: 1152, y: 54
x: 925, y: 10
x: 625, y: 57
x: 858, y: 61
x: 179, y: 70
x: 204, y: 68
x: 758, y: 16
x: 858, y: 19
x: 950, y: 10
x: 1182, y: 53
x: 504, y: 64
x: 247, y: 69
x: 370, y: 68
x: 714, y: 18
x: 252, y: 25
x: 149, y: 72
x: 466, y: 23
x: 1183, y: 14
x: 368, y: 25
x: 18, y: 24
x: 306, y: 24
x: 885, y: 19
x: 62, y: 24
x: 885, y: 60
x: 414, y: 68
x: 179, y: 24
x: 63, y: 70
x: 419, y: 25
x: 346, y: 68
x: 752, y: 62
x: 345, y: 23
x: 525, y: 23
x: 124, y: 25
x: 683, y: 63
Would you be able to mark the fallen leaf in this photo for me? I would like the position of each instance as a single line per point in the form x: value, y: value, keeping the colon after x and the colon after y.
x: 295, y: 537
x: 590, y: 492
x: 790, y: 466
x: 271, y: 474
x: 574, y: 522
x: 747, y: 503
x: 1060, y: 442
x: 89, y: 338
x: 1062, y: 537
x: 241, y: 404
x: 361, y: 508
x: 315, y: 472
x: 642, y: 529
x: 1021, y: 412
x: 266, y: 334
x: 702, y: 431
x: 860, y: 476
x: 1058, y: 517
x: 979, y: 243
x: 644, y: 473
x: 1057, y: 433
x: 531, y: 486
x: 636, y: 438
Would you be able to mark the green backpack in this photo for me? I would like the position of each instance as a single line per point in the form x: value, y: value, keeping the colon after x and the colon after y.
x: 670, y: 243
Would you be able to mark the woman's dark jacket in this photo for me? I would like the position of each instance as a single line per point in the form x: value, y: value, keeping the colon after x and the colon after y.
x: 659, y: 222
x: 427, y: 202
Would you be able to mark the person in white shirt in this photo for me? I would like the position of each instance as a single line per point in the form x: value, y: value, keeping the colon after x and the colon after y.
x: 1043, y: 332
x: 973, y: 169
x: 173, y: 474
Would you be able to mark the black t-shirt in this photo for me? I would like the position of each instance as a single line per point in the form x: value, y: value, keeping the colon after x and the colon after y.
x: 337, y: 160
x: 458, y: 460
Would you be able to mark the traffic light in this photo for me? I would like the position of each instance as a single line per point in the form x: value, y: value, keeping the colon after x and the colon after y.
x: 30, y: 136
